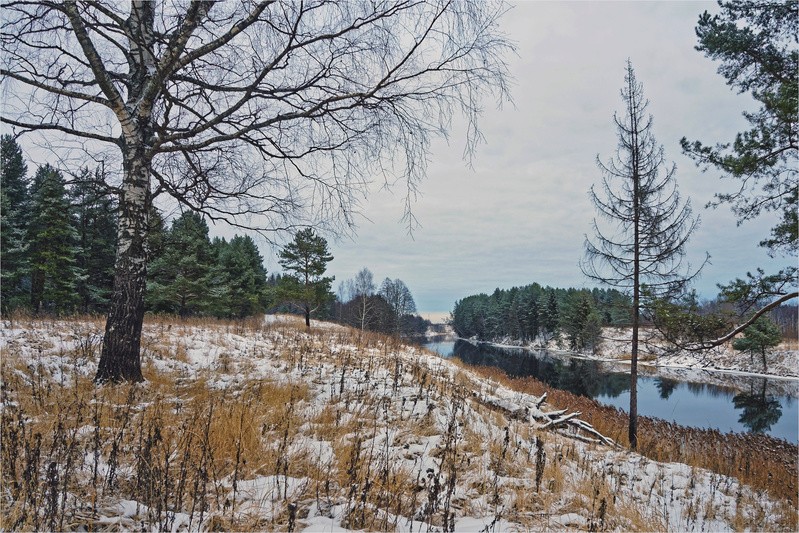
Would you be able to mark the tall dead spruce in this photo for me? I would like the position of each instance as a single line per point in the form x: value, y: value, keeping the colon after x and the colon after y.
x: 641, y: 245
x: 266, y: 115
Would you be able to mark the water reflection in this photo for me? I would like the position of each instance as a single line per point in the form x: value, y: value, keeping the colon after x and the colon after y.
x: 578, y: 376
x: 746, y: 405
x: 759, y: 410
x: 665, y: 387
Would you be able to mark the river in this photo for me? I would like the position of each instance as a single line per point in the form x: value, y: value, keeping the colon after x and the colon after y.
x: 727, y: 402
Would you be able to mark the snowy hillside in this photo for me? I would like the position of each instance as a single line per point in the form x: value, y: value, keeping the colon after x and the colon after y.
x: 264, y: 425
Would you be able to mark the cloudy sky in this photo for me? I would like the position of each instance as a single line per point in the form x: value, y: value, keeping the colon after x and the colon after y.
x: 520, y: 215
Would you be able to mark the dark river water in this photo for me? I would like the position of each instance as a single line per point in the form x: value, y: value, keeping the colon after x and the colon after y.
x: 733, y: 403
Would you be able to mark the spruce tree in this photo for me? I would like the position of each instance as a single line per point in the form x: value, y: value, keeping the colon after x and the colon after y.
x: 581, y: 322
x: 52, y: 245
x: 549, y: 314
x: 239, y: 278
x: 14, y: 208
x: 95, y: 222
x: 643, y: 244
x: 181, y: 275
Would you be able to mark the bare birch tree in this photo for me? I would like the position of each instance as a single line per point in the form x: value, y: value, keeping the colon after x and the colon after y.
x: 266, y: 115
x: 642, y: 246
x: 363, y: 287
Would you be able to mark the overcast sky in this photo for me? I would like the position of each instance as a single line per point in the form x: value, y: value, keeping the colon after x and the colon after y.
x: 522, y: 213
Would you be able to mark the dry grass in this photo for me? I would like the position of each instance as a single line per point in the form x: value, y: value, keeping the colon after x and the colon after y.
x: 345, y: 421
x: 757, y: 460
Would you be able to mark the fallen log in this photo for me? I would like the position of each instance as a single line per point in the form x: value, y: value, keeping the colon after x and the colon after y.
x: 553, y: 420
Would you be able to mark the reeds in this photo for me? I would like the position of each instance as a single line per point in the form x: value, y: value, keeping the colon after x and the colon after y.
x: 760, y: 461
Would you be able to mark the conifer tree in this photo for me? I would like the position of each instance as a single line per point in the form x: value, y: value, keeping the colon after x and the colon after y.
x: 756, y: 47
x: 643, y: 244
x: 758, y: 338
x: 305, y: 285
x: 52, y: 245
x: 239, y: 278
x: 95, y: 222
x: 181, y: 274
x: 549, y: 316
x: 14, y: 207
x: 581, y: 323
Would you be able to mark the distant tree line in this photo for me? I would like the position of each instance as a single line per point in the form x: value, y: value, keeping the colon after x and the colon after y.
x: 388, y: 309
x: 59, y: 241
x: 533, y: 312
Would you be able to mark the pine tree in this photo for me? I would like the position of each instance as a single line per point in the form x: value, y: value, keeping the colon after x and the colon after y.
x: 648, y: 225
x: 758, y: 338
x: 14, y: 207
x: 52, y: 240
x: 755, y: 45
x: 95, y: 221
x: 305, y: 285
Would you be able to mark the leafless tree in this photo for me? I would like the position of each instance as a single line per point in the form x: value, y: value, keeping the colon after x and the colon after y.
x: 642, y: 246
x: 399, y: 299
x: 263, y: 114
x: 363, y: 286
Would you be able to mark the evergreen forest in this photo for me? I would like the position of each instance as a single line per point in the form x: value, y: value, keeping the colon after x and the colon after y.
x: 530, y: 313
x: 59, y: 245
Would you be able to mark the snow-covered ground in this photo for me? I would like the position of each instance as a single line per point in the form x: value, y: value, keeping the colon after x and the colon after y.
x: 319, y: 430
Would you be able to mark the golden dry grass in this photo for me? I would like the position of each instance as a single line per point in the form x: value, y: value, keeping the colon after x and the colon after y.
x: 757, y: 460
x: 184, y: 442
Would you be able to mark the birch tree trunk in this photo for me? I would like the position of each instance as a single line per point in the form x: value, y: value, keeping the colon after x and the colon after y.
x: 120, y: 359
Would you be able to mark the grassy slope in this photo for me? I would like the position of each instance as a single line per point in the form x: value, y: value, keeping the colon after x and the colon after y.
x: 261, y: 426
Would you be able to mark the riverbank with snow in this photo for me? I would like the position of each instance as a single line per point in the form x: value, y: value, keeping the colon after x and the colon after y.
x: 614, y: 346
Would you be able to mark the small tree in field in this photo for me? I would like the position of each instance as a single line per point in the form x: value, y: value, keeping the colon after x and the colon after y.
x: 306, y: 259
x: 758, y: 338
x: 643, y: 244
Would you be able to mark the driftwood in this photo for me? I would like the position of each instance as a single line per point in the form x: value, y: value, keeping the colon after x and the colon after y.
x: 555, y: 420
